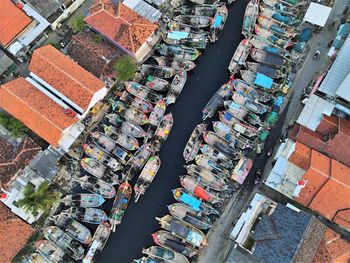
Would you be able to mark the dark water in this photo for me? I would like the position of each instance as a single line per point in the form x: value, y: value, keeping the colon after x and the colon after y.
x: 211, y: 72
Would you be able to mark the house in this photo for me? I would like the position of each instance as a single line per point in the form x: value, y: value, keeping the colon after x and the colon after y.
x: 144, y: 9
x: 123, y: 27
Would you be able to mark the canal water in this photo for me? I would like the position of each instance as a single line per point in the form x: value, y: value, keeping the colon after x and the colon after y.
x: 211, y: 72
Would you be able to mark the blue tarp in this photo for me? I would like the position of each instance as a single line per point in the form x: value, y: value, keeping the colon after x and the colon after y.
x: 191, y: 201
x: 273, y: 50
x: 278, y: 101
x: 228, y: 116
x: 217, y: 21
x: 263, y: 81
x: 177, y: 35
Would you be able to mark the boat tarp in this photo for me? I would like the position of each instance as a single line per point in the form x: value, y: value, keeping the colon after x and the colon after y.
x: 177, y: 35
x: 266, y: 70
x: 272, y: 117
x: 179, y: 229
x: 263, y: 81
x: 228, y: 116
x: 217, y: 21
x: 279, y: 101
x: 195, y: 238
x: 177, y: 246
x: 193, y: 202
x: 272, y: 58
x: 263, y: 135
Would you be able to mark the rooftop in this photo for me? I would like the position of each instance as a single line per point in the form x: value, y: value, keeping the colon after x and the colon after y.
x: 12, y: 22
x: 5, y: 62
x: 46, y: 8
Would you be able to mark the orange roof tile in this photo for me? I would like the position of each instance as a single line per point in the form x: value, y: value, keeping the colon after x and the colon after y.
x: 65, y: 75
x: 120, y: 24
x: 35, y: 110
x: 14, y: 234
x: 301, y: 156
x: 12, y: 21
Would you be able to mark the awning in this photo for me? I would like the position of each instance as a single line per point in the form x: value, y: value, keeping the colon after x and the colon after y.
x: 317, y: 14
x: 263, y: 81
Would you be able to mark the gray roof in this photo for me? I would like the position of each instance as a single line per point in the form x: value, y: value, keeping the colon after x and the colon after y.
x: 5, y: 62
x: 46, y: 8
x: 278, y: 236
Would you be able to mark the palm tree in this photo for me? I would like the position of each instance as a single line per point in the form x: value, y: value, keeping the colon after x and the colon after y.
x: 37, y: 200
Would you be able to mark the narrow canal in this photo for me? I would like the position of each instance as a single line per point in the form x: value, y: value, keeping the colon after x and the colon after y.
x: 211, y: 72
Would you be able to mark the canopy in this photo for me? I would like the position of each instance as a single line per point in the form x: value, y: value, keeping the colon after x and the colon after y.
x: 177, y: 35
x: 278, y: 101
x: 217, y: 21
x: 317, y: 14
x: 263, y: 81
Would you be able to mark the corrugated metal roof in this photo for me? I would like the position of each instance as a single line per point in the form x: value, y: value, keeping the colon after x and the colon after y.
x: 144, y: 9
x: 5, y: 62
x: 344, y: 89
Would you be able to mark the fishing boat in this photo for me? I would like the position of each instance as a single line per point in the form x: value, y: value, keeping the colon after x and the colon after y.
x: 35, y: 258
x: 130, y: 113
x: 193, y: 20
x: 218, y: 22
x: 178, y: 26
x: 163, y: 131
x: 216, y: 156
x: 243, y: 115
x: 158, y: 112
x: 183, y: 196
x: 248, y: 103
x: 157, y: 71
x: 183, y: 230
x: 250, y: 16
x: 288, y: 19
x: 127, y: 127
x: 136, y: 102
x: 198, y: 190
x: 240, y: 56
x: 99, y: 241
x: 87, y: 215
x: 101, y: 156
x: 169, y: 241
x: 146, y: 177
x: 194, y: 142
x: 175, y: 63
x: 203, y: 2
x: 98, y: 170
x: 83, y: 200
x: 208, y: 178
x: 251, y: 92
x: 223, y: 93
x: 209, y: 164
x: 203, y: 10
x: 261, y: 43
x: 276, y: 27
x: 265, y: 69
x: 278, y: 6
x: 97, y: 186
x: 66, y: 243
x: 123, y: 139
x: 185, y: 213
x: 146, y: 260
x: 51, y: 253
x: 120, y: 204
x: 267, y: 58
x: 178, y: 52
x: 272, y: 38
x: 152, y: 82
x: 142, y: 92
x: 220, y: 144
x: 195, y: 40
x: 176, y: 87
x: 250, y: 77
x: 231, y: 106
x: 102, y: 140
x: 164, y: 255
x: 73, y: 228
x: 139, y: 159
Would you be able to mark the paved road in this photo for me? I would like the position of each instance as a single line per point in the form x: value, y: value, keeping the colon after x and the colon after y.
x: 138, y: 224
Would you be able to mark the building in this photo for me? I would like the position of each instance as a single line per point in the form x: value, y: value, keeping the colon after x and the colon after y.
x: 144, y: 9
x: 123, y: 27
x: 53, y: 99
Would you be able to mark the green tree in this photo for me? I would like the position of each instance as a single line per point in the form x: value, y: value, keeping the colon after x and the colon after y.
x: 78, y: 23
x: 16, y: 128
x: 125, y: 68
x: 98, y: 38
x: 37, y: 200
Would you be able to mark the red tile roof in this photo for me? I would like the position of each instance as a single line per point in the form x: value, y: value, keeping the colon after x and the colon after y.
x: 35, y: 110
x: 14, y: 234
x: 301, y: 156
x: 12, y: 21
x: 120, y: 24
x: 65, y: 75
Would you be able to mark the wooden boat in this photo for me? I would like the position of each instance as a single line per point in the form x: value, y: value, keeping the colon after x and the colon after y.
x: 248, y: 103
x: 123, y: 139
x: 175, y: 63
x: 203, y: 2
x: 278, y: 6
x: 194, y: 40
x: 208, y: 178
x: 198, y: 190
x: 35, y: 258
x: 130, y: 113
x: 176, y: 87
x: 265, y: 69
x: 216, y: 156
x: 122, y: 155
x: 250, y: 16
x: 146, y: 260
x: 203, y: 10
x: 272, y: 38
x: 183, y: 196
x: 97, y: 186
x: 66, y: 243
x: 288, y: 19
x: 127, y: 127
x: 209, y: 164
x: 87, y: 215
x: 139, y: 159
x: 174, y: 243
x: 146, y: 177
x: 157, y: 71
x: 178, y: 26
x: 51, y: 253
x: 102, y: 140
x: 185, y: 213
x: 73, y: 228
x: 233, y: 106
x: 240, y: 56
x: 142, y: 92
x: 98, y: 170
x: 83, y: 200
x: 251, y: 92
x: 178, y: 52
x: 218, y: 22
x: 163, y: 131
x: 164, y: 255
x: 99, y: 241
x: 220, y: 144
x: 267, y: 58
x: 194, y: 142
x: 101, y: 156
x: 240, y: 126
x: 243, y: 115
x: 152, y: 82
x: 223, y: 93
x: 158, y: 112
x: 183, y: 230
x: 250, y: 76
x: 276, y: 27
x: 136, y: 102
x: 263, y: 44
x: 120, y: 204
x: 193, y: 20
